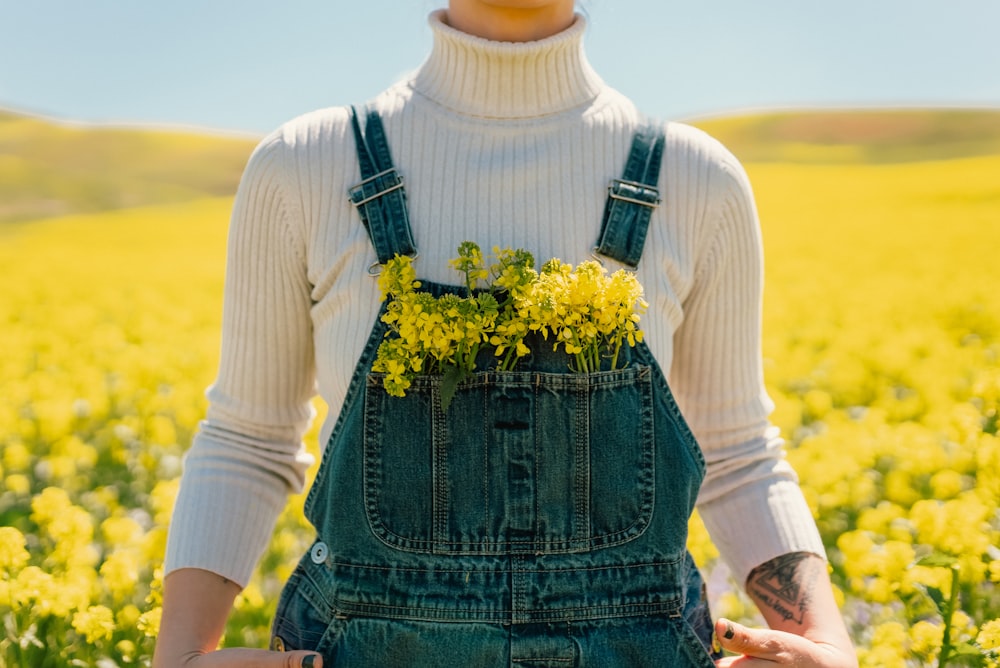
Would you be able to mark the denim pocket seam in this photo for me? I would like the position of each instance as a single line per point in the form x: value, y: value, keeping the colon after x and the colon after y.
x: 436, y: 538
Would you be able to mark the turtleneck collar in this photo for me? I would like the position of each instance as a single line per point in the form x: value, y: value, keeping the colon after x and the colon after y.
x: 479, y: 77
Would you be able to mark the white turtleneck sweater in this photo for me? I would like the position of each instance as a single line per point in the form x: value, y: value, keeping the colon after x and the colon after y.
x: 509, y: 145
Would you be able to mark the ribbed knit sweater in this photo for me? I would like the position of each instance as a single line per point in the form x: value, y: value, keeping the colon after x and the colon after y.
x: 504, y: 144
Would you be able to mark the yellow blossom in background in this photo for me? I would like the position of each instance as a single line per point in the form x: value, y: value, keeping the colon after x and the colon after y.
x: 888, y: 647
x: 149, y: 622
x: 16, y: 457
x: 13, y: 555
x: 119, y: 573
x: 989, y: 635
x: 34, y: 588
x: 700, y: 544
x: 251, y: 596
x: 127, y: 616
x: 162, y: 499
x: 925, y: 639
x: 17, y: 484
x: 95, y: 623
x: 126, y: 649
x: 881, y: 346
x: 49, y: 506
x: 121, y: 531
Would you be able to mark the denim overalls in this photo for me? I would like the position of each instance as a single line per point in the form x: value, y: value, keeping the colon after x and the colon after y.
x: 539, y: 521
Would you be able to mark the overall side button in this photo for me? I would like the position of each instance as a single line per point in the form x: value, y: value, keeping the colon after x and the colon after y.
x: 319, y: 553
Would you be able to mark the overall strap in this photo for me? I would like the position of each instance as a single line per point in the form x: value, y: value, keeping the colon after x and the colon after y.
x: 632, y: 198
x: 379, y: 197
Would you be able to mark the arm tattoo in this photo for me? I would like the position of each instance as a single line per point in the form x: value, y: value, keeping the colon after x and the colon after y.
x: 785, y: 584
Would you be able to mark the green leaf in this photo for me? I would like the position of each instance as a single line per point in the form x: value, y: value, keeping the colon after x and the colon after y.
x: 937, y: 560
x: 450, y: 379
x: 937, y: 596
x: 965, y: 654
x: 966, y: 649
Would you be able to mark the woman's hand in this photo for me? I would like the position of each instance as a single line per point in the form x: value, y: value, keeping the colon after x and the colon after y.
x: 794, y: 594
x: 251, y: 658
x: 196, y: 604
x: 765, y: 648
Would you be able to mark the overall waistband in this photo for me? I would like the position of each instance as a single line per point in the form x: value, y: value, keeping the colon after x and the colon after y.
x: 504, y: 590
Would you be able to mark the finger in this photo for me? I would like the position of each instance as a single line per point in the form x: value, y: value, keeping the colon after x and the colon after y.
x: 734, y: 662
x: 258, y: 658
x: 744, y: 662
x: 756, y: 643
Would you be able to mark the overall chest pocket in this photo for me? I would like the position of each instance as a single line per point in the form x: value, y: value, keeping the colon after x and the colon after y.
x: 519, y: 462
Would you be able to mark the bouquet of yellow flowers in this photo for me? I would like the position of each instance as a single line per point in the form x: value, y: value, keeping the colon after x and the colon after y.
x: 586, y: 311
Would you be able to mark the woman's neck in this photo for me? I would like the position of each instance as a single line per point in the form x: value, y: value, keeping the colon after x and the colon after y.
x: 511, y: 21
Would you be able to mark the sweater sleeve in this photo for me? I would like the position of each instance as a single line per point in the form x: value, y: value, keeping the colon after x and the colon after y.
x: 247, y: 455
x: 750, y: 500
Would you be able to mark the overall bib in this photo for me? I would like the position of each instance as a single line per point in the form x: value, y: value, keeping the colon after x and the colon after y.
x: 539, y: 521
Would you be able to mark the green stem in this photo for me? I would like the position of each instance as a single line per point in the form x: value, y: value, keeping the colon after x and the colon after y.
x: 619, y: 339
x: 510, y: 360
x: 949, y: 612
x: 468, y: 282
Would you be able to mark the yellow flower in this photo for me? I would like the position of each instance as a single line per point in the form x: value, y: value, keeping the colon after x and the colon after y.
x: 71, y: 532
x: 699, y: 543
x: 989, y: 635
x: 398, y: 277
x: 95, y: 623
x: 149, y: 622
x: 120, y: 571
x: 592, y: 314
x: 154, y: 545
x: 121, y: 531
x: 161, y: 500
x: 888, y: 647
x: 925, y: 638
x: 16, y: 456
x: 470, y: 263
x: 77, y: 586
x: 127, y: 616
x: 13, y: 554
x: 49, y: 505
x: 947, y: 484
x: 18, y: 484
x: 36, y: 589
x: 155, y: 596
x: 127, y: 650
x: 250, y: 597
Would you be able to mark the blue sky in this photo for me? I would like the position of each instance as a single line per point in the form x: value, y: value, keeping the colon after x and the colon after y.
x: 248, y: 66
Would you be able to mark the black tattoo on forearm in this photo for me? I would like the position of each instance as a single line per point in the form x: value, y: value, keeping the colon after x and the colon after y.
x: 785, y: 584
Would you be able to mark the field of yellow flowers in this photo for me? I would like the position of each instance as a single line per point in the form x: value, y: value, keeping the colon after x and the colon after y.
x: 882, y: 351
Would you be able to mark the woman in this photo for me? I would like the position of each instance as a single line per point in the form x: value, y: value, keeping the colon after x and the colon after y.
x: 506, y: 137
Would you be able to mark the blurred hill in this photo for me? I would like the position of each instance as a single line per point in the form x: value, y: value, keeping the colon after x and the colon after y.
x: 861, y: 136
x: 50, y: 168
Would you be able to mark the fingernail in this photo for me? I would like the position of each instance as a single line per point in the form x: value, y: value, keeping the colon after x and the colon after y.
x: 730, y: 631
x: 309, y: 661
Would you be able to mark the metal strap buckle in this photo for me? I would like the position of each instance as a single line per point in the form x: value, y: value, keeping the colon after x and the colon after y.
x: 360, y: 186
x: 638, y: 186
